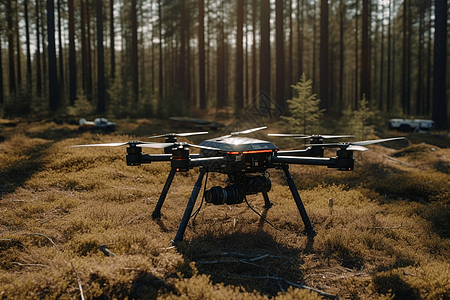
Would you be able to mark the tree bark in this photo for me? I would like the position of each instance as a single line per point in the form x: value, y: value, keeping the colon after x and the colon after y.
x: 365, y: 73
x: 201, y: 53
x: 134, y: 52
x: 254, y: 54
x: 12, y: 72
x: 112, y: 39
x: 264, y: 55
x: 27, y: 34
x: 101, y: 106
x: 280, y: 76
x: 53, y: 86
x: 72, y: 55
x: 61, y: 55
x: 239, y: 92
x: 161, y: 83
x: 324, y: 64
x: 440, y: 62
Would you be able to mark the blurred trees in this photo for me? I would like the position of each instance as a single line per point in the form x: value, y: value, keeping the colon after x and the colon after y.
x: 146, y: 51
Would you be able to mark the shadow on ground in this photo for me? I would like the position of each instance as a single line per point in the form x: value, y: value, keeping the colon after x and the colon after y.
x: 253, y: 261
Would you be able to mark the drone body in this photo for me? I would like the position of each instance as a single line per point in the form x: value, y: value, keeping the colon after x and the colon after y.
x: 244, y: 160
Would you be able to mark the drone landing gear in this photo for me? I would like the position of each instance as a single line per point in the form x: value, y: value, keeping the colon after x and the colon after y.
x: 267, y: 203
x: 190, y: 206
x: 301, y: 208
x: 157, y: 212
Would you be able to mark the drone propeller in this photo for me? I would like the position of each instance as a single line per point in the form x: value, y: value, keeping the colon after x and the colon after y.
x: 147, y: 145
x: 359, y: 146
x: 130, y: 143
x: 302, y: 136
x: 244, y: 132
x: 167, y: 135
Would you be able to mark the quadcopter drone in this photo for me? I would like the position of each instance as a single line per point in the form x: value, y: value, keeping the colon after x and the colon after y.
x: 245, y: 160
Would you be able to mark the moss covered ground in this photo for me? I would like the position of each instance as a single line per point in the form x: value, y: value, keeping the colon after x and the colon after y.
x: 76, y: 222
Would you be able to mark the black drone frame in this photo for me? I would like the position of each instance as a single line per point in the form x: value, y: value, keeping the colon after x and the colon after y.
x: 182, y: 161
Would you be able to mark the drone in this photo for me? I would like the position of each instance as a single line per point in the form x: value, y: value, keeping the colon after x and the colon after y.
x: 244, y: 160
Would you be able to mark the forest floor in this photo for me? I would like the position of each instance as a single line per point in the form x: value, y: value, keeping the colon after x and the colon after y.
x: 77, y: 222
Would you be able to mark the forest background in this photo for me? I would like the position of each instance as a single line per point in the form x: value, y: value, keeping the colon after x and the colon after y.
x: 155, y: 58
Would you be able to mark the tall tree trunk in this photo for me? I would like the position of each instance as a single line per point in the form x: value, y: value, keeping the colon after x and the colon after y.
x: 380, y: 107
x: 440, y: 116
x: 324, y: 64
x: 254, y: 54
x: 365, y: 73
x: 300, y: 22
x: 291, y: 62
x: 88, y: 52
x: 429, y: 80
x: 419, y: 100
x: 52, y: 67
x: 189, y: 60
x: 12, y: 72
x: 182, y: 67
x: 27, y: 35
x: 2, y: 92
x: 134, y: 51
x: 341, y: 55
x: 101, y: 107
x: 72, y: 55
x: 356, y: 56
x: 61, y: 55
x: 201, y: 53
x: 409, y: 64
x: 405, y: 57
x: 19, y: 50
x: 83, y: 45
x: 239, y: 92
x: 161, y: 83
x: 389, y: 63
x: 221, y: 61
x: 264, y: 55
x: 246, y: 56
x: 315, y: 81
x: 280, y: 76
x: 112, y: 38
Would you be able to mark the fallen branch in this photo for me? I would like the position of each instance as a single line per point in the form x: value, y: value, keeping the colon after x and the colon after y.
x: 387, y: 228
x: 43, y: 235
x: 106, y: 251
x: 79, y: 281
x: 398, y: 161
x: 28, y: 265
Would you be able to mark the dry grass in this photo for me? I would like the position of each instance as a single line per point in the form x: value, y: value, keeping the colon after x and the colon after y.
x: 80, y: 215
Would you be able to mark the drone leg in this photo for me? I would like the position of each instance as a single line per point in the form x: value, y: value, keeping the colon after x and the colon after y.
x: 267, y: 203
x: 301, y: 208
x: 189, y: 208
x: 157, y: 212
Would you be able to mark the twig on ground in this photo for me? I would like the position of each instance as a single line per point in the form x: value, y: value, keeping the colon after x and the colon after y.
x: 79, y: 281
x: 106, y: 251
x: 387, y: 228
x: 29, y: 265
x: 398, y: 161
x: 43, y: 235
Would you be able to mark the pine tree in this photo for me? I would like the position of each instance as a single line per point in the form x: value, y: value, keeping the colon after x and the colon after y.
x: 305, y: 109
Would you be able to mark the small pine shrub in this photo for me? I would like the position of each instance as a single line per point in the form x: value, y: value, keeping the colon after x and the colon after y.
x: 305, y: 112
x: 357, y: 122
x: 81, y: 107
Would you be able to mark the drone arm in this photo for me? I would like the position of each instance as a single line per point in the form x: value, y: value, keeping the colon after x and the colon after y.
x: 206, y: 161
x: 316, y: 161
x: 343, y: 162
